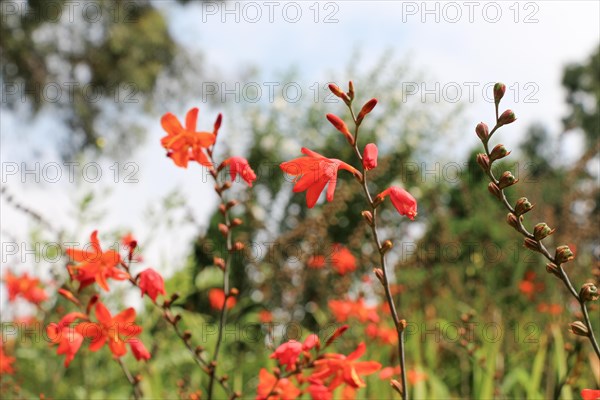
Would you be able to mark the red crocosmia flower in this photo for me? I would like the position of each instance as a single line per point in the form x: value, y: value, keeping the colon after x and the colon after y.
x: 402, y: 200
x: 68, y: 295
x: 138, y: 349
x: 287, y: 354
x: 318, y: 391
x: 269, y: 388
x: 129, y: 241
x: 216, y: 298
x: 116, y: 330
x: 590, y: 394
x: 6, y: 362
x: 552, y: 309
x: 314, y: 172
x: 384, y: 334
x: 152, y: 283
x: 345, y: 369
x: 24, y: 286
x: 311, y: 341
x: 342, y: 260
x: 96, y: 265
x: 185, y: 144
x: 239, y: 166
x: 340, y: 125
x: 370, y: 156
x: 316, y: 262
x: 69, y: 340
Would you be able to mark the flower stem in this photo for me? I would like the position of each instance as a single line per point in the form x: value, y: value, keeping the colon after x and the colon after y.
x: 135, y: 384
x: 400, y: 325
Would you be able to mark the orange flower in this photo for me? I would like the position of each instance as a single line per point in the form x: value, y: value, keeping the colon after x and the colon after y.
x: 265, y: 316
x: 152, y: 284
x: 318, y: 391
x: 138, y: 349
x: 69, y: 340
x: 403, y: 201
x: 314, y: 172
x: 24, y: 286
x: 6, y: 362
x: 239, y: 165
x: 413, y: 376
x: 269, y: 388
x: 116, y: 330
x: 344, y: 309
x: 345, y: 369
x: 342, y: 260
x: 185, y: 144
x: 216, y: 298
x: 96, y: 265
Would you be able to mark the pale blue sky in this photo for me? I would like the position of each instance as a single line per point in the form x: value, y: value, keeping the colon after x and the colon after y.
x: 527, y: 56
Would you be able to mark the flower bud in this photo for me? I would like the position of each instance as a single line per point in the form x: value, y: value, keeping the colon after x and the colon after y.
x: 341, y: 126
x: 498, y: 152
x: 351, y: 90
x: 531, y: 244
x: 187, y: 335
x: 234, y: 292
x: 482, y: 131
x: 512, y: 220
x: 563, y: 254
x: 588, y: 292
x: 223, y: 229
x: 507, y: 117
x: 370, y: 156
x: 483, y: 161
x: 379, y: 274
x: 367, y: 216
x: 219, y: 262
x: 397, y: 386
x: 236, y: 222
x: 523, y: 206
x: 222, y: 209
x: 367, y: 108
x: 579, y: 329
x: 541, y: 231
x: 336, y: 334
x: 494, y: 190
x: 507, y: 179
x: 551, y: 268
x: 231, y: 203
x: 386, y: 246
x: 499, y: 90
x: 339, y: 93
x: 237, y: 246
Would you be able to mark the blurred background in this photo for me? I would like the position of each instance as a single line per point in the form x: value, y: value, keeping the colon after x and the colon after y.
x: 84, y: 85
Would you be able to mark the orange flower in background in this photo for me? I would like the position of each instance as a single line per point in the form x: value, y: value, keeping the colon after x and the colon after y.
x: 152, y: 284
x: 345, y: 369
x: 96, y: 265
x: 116, y: 330
x: 384, y: 334
x: 269, y: 388
x: 314, y: 172
x: 552, y: 309
x: 318, y: 391
x: 344, y: 309
x: 342, y: 260
x: 316, y: 262
x: 529, y: 286
x: 185, y: 144
x: 6, y: 362
x: 239, y: 166
x: 590, y: 394
x: 265, y: 316
x: 403, y: 201
x: 24, y: 286
x: 413, y: 376
x: 69, y: 340
x: 216, y: 298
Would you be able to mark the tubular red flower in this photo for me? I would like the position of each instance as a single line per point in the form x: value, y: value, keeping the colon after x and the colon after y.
x: 314, y: 172
x: 239, y: 166
x: 69, y: 340
x: 370, y: 156
x: 6, y: 362
x: 24, y: 286
x: 152, y: 283
x: 287, y: 354
x: 340, y: 125
x: 404, y: 202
